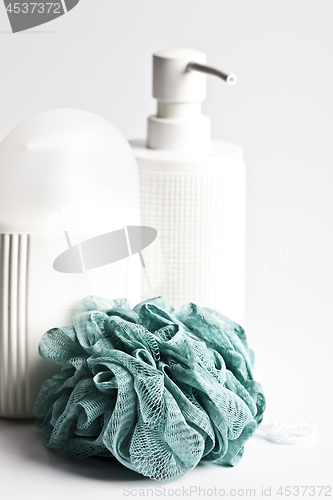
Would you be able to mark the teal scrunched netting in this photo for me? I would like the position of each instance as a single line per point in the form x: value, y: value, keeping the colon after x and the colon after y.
x: 159, y: 389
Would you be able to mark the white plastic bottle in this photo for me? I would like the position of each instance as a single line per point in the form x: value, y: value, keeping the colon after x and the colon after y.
x: 68, y: 183
x: 192, y: 190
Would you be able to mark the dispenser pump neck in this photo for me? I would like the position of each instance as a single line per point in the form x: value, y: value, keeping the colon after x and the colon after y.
x: 179, y: 85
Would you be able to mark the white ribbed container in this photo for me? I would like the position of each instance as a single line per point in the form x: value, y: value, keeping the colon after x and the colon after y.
x: 66, y: 176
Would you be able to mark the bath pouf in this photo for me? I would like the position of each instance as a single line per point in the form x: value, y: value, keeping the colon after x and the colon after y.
x: 158, y: 388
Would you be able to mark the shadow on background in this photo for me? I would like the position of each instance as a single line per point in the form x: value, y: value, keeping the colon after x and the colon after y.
x: 27, y: 32
x: 25, y: 439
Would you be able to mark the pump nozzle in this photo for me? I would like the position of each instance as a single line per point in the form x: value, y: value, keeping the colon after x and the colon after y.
x: 230, y: 78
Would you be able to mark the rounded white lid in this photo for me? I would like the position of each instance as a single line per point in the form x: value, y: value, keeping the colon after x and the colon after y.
x: 49, y: 160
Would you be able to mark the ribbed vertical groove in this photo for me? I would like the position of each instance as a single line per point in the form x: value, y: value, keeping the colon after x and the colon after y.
x: 12, y: 324
x: 22, y: 378
x: 25, y: 305
x: 13, y: 342
x: 4, y: 287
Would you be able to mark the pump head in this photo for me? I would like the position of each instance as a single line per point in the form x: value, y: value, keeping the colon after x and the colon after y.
x: 179, y: 85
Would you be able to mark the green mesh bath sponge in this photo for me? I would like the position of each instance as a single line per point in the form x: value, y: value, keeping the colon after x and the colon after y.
x: 159, y: 389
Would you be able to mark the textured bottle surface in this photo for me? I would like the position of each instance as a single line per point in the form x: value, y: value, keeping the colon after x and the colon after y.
x: 197, y: 207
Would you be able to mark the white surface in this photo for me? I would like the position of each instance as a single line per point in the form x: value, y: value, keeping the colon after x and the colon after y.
x: 98, y: 57
x: 28, y: 467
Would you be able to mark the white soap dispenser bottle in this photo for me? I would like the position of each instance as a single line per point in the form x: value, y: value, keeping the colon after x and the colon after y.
x: 192, y: 190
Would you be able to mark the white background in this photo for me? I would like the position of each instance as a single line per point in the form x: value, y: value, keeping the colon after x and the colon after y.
x: 98, y: 57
